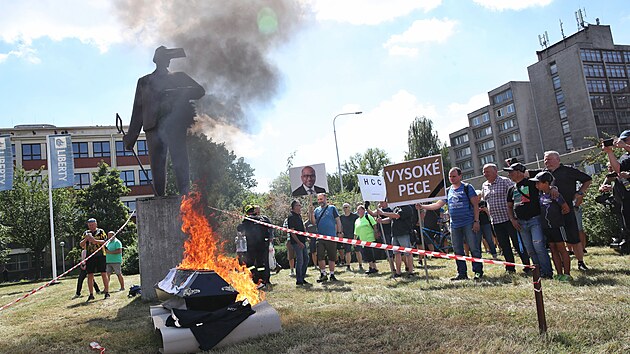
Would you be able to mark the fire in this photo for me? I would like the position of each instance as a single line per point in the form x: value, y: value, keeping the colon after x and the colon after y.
x: 202, y: 251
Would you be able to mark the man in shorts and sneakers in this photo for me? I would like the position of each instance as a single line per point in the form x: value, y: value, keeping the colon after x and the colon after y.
x: 113, y: 259
x: 93, y: 238
x: 347, y: 223
x: 401, y: 220
x: 326, y: 218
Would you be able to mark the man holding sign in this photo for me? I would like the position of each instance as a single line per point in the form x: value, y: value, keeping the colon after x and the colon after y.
x: 463, y: 206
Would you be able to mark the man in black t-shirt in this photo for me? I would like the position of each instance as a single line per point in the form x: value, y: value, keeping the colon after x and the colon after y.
x: 524, y: 213
x: 565, y: 179
x: 622, y: 185
x: 347, y: 224
x: 401, y: 220
x: 298, y: 242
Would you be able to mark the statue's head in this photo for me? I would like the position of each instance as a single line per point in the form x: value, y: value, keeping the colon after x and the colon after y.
x: 164, y: 55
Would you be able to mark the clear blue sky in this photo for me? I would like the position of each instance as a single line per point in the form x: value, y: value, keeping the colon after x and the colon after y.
x: 74, y: 63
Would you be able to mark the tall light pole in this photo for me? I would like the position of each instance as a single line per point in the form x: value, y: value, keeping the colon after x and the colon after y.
x: 337, y: 147
x: 63, y: 258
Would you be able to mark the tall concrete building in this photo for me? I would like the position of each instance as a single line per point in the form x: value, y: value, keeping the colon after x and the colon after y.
x: 496, y: 132
x: 580, y: 88
x: 577, y: 89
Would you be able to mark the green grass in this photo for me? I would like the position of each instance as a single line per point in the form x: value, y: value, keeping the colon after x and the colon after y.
x: 359, y: 314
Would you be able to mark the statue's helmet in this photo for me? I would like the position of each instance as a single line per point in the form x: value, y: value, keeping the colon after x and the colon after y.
x: 166, y: 54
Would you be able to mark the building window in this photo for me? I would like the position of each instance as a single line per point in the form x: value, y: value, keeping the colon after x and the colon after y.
x: 568, y: 142
x: 618, y: 85
x: 596, y: 86
x: 600, y: 101
x: 101, y: 149
x: 553, y: 68
x: 468, y: 175
x: 626, y: 55
x: 466, y: 165
x: 615, y: 71
x: 510, y: 138
x: 605, y: 117
x: 31, y: 152
x: 514, y: 152
x: 128, y: 178
x: 143, y: 150
x: 120, y: 150
x: 13, y: 151
x: 462, y: 152
x: 622, y: 101
x: 611, y: 56
x: 486, y: 145
x: 559, y: 97
x: 485, y: 117
x: 510, y: 123
x: 565, y: 127
x: 562, y: 109
x: 143, y: 178
x: 483, y: 132
x: 460, y: 139
x: 487, y: 159
x: 556, y: 82
x: 590, y: 55
x: 623, y: 117
x: 498, y: 113
x: 503, y: 96
x: 594, y: 70
x: 131, y: 205
x: 81, y: 180
x: 80, y: 150
x: 476, y: 121
x: 18, y: 262
x: 510, y: 108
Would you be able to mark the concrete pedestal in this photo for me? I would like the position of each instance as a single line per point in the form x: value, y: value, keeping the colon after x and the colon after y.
x: 160, y: 240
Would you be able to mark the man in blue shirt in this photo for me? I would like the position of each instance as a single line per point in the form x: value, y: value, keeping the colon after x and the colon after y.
x: 326, y: 218
x: 463, y: 207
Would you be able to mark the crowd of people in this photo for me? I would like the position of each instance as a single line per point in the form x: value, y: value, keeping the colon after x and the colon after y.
x: 533, y: 213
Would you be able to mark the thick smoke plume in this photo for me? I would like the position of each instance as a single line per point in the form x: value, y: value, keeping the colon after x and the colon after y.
x: 227, y: 43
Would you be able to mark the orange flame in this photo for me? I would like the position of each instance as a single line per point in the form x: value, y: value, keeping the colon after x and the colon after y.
x: 202, y: 252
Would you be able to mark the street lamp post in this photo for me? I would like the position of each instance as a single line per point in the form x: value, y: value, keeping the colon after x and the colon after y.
x: 63, y: 258
x: 337, y: 147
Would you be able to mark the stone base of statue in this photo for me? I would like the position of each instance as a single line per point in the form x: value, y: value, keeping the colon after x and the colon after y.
x: 160, y: 240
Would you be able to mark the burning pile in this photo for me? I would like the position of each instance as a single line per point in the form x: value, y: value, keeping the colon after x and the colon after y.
x: 202, y: 251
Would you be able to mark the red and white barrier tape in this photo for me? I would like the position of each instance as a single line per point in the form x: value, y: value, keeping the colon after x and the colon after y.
x: 69, y: 270
x: 382, y: 246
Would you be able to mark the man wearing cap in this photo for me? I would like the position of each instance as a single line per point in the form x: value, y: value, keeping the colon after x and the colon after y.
x: 622, y: 186
x: 257, y: 237
x: 92, y: 239
x: 494, y: 191
x: 565, y: 180
x: 163, y: 108
x: 524, y: 213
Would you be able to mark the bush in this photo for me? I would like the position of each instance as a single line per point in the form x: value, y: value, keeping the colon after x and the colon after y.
x: 130, y: 264
x: 600, y: 223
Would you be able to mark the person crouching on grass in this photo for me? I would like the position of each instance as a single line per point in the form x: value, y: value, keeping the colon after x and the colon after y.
x: 552, y: 221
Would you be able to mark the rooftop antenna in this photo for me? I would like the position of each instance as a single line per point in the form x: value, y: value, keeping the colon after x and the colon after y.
x: 579, y: 18
x: 562, y: 29
x: 543, y: 40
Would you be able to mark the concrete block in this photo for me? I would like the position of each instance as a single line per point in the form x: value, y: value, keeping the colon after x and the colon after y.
x: 160, y: 240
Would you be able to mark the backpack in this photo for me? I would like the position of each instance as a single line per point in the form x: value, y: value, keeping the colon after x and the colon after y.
x: 466, y: 187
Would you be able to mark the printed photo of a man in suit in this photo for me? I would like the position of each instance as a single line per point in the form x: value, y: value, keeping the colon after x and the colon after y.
x: 308, y: 177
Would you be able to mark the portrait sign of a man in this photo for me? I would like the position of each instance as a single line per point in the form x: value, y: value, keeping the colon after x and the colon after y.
x: 304, y: 180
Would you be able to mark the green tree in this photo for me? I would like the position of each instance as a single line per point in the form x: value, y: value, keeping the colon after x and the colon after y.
x: 101, y: 200
x: 371, y: 162
x: 422, y: 139
x: 282, y: 183
x: 25, y: 210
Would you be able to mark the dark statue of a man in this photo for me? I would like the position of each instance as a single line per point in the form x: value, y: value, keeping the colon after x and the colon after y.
x: 163, y: 107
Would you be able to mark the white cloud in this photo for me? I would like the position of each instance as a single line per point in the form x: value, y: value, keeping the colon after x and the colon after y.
x: 516, y: 5
x: 421, y: 31
x: 23, y: 51
x: 368, y: 12
x: 456, y: 115
x: 91, y: 22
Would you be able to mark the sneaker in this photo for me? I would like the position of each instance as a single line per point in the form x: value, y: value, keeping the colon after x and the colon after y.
x: 478, y: 276
x: 495, y: 257
x: 527, y: 271
x: 361, y: 268
x: 121, y: 289
x: 106, y: 296
x: 460, y: 277
x: 322, y: 278
x: 582, y: 266
x: 410, y: 275
x: 565, y: 277
x: 98, y: 292
x: 397, y: 275
x: 305, y: 283
x: 91, y: 297
x: 333, y: 278
x: 76, y: 296
x: 585, y: 251
x: 348, y: 268
x: 292, y: 275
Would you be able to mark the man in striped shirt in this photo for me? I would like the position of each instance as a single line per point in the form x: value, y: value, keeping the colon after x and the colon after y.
x: 494, y: 191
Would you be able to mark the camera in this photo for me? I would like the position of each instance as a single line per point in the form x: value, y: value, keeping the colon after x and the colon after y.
x: 366, y: 204
x: 608, y: 142
x: 510, y: 161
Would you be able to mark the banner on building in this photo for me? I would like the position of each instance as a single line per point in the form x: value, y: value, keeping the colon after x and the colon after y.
x: 6, y: 163
x: 415, y: 181
x: 61, y: 164
x: 372, y: 187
